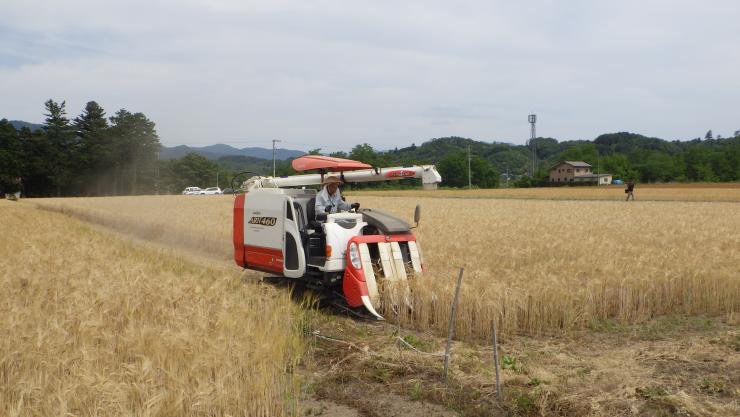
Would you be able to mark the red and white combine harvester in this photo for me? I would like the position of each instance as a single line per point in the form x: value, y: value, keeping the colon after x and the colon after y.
x: 277, y: 230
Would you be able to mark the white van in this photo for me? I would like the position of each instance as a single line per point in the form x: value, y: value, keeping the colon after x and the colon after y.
x: 212, y: 191
x: 192, y: 191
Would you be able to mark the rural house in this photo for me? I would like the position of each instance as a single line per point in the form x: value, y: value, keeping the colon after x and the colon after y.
x: 577, y: 172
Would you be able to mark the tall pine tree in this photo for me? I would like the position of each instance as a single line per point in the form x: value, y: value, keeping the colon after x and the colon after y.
x: 61, y: 140
x: 96, y: 147
x: 137, y: 145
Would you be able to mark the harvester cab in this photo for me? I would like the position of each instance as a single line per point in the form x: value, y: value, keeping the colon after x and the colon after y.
x: 277, y: 230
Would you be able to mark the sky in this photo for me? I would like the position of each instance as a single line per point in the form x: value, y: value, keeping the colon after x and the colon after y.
x: 332, y: 74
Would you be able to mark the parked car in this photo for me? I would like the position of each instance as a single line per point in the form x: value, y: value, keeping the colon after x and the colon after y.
x: 227, y: 191
x: 211, y: 191
x: 192, y: 191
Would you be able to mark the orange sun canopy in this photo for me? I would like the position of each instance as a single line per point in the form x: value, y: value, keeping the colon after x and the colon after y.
x: 315, y: 162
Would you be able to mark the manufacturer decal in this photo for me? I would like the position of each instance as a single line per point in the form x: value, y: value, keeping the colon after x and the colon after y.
x: 263, y: 221
x: 399, y: 173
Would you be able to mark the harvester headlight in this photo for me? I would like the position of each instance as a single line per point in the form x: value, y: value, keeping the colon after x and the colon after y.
x: 354, y: 256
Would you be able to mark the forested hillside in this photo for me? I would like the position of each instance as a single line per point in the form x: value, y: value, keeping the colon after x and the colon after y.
x: 625, y: 155
x: 119, y: 155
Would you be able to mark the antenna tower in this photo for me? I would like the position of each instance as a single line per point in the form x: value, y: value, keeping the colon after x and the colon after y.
x: 531, y: 144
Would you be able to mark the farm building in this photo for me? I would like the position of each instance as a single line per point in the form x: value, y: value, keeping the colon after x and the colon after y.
x: 577, y: 172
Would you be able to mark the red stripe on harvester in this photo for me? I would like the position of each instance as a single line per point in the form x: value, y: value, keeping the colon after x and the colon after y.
x: 263, y: 259
x: 239, y: 229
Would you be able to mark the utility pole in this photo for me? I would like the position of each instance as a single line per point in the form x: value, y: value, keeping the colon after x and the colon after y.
x: 273, y: 155
x: 533, y: 134
x: 470, y: 182
x: 507, y: 175
x: 216, y: 177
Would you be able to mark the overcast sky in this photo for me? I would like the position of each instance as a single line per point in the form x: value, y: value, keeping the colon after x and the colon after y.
x: 332, y: 74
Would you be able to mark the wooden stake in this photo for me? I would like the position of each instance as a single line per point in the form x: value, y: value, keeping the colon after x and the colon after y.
x: 451, y: 328
x: 495, y: 359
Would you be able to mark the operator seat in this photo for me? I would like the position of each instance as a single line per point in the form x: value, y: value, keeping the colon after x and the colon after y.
x: 311, y: 215
x: 315, y: 245
x: 311, y: 210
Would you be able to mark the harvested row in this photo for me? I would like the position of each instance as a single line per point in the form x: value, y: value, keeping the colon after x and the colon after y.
x: 95, y: 326
x: 195, y: 223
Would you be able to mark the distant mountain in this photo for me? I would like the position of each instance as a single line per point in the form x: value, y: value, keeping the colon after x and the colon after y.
x: 220, y: 150
x: 19, y: 124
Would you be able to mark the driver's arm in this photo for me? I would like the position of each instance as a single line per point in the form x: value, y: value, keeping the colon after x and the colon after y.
x: 343, y: 205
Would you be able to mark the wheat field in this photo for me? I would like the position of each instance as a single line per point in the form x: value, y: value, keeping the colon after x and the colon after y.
x: 533, y: 265
x: 94, y: 325
x: 717, y: 192
x: 551, y: 266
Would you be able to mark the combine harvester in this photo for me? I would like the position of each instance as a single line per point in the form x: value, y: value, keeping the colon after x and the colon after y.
x: 277, y: 230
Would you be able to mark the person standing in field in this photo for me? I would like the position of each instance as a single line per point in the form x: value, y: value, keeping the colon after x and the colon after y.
x: 630, y: 190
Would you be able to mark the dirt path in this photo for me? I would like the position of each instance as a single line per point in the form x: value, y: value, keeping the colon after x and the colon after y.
x: 683, y: 366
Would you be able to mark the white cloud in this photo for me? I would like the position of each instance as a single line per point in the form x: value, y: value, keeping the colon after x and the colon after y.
x: 333, y: 73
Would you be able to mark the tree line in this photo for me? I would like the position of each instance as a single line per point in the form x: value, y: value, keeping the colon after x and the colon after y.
x: 624, y: 155
x: 648, y: 160
x: 89, y: 155
x: 95, y: 155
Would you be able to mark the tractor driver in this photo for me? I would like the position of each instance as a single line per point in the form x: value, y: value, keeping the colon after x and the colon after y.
x: 329, y: 199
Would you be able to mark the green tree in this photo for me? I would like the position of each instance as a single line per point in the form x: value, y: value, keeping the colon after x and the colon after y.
x: 454, y: 171
x: 37, y: 157
x: 192, y: 170
x: 95, y: 146
x: 583, y: 152
x: 11, y: 158
x: 365, y: 153
x: 619, y: 166
x: 698, y: 165
x: 136, y: 145
x: 657, y: 167
x: 339, y: 154
x: 61, y: 138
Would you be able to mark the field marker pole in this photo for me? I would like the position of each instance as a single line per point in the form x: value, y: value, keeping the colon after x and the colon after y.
x: 495, y: 360
x: 451, y: 328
